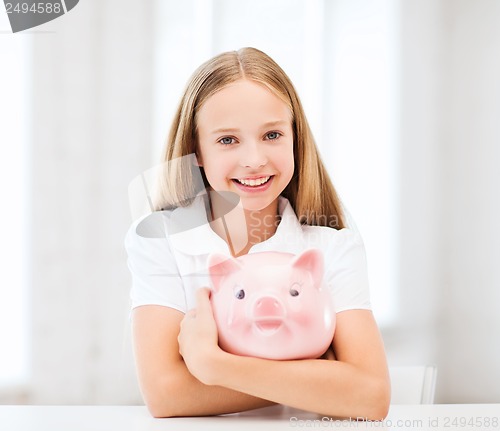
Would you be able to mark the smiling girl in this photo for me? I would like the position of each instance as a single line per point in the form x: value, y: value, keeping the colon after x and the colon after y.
x: 242, y: 120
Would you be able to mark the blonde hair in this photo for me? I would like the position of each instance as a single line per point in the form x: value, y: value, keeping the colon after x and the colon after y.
x: 310, y: 191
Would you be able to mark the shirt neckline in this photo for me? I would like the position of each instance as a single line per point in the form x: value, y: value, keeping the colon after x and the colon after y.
x: 201, y: 239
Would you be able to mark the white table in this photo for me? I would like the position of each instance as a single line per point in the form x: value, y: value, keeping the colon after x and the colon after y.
x: 449, y: 417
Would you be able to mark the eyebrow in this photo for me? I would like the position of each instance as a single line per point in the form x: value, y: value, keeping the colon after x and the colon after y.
x: 265, y: 125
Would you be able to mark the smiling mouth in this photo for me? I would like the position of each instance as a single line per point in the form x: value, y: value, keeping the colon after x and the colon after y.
x: 254, y: 182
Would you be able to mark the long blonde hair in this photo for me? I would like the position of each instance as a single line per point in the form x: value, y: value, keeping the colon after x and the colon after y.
x: 310, y: 191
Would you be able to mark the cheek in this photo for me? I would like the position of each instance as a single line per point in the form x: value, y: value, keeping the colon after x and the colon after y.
x: 290, y: 168
x: 236, y: 316
x: 208, y: 173
x: 217, y: 167
x: 213, y: 174
x: 295, y: 307
x: 301, y: 309
x: 285, y: 160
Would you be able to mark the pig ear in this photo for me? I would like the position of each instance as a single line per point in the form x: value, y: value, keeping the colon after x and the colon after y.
x: 311, y: 260
x: 219, y: 266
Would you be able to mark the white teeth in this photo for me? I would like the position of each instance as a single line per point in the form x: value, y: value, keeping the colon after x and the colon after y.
x: 256, y: 182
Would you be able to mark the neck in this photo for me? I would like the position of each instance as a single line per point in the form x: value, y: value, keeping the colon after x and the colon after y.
x: 242, y: 228
x: 262, y: 224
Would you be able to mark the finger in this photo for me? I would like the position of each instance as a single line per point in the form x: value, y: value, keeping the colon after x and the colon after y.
x: 203, y: 299
x: 188, y: 316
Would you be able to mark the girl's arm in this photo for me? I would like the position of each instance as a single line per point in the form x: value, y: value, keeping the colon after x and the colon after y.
x: 355, y: 385
x: 169, y: 389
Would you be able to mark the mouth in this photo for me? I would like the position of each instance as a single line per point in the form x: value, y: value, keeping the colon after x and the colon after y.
x: 269, y: 326
x: 257, y: 183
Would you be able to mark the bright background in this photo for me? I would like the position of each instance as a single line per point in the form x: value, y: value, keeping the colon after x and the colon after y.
x: 403, y: 97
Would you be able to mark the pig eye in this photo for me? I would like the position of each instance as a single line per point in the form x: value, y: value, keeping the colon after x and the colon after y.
x: 239, y: 293
x: 295, y: 289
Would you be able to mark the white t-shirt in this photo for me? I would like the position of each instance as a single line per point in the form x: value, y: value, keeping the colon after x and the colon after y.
x: 168, y: 261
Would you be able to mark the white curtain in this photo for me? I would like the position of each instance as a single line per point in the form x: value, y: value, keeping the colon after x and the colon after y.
x: 92, y: 107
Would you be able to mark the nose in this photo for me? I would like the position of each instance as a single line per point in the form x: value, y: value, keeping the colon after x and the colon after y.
x: 268, y: 307
x: 254, y: 156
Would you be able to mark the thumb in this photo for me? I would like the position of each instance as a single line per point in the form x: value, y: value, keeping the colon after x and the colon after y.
x: 203, y: 299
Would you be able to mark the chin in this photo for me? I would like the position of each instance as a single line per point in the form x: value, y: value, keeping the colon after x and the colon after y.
x: 257, y: 204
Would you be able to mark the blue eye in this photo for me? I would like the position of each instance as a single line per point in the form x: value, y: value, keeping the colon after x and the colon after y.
x: 226, y: 141
x: 273, y: 136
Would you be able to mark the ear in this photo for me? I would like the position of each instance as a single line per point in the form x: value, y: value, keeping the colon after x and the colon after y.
x: 312, y: 261
x: 220, y: 266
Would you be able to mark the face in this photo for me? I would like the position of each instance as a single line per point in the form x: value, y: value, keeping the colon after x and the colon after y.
x: 245, y: 143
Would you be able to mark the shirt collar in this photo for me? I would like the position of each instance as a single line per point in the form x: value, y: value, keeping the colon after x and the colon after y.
x: 288, y: 237
x: 189, y: 232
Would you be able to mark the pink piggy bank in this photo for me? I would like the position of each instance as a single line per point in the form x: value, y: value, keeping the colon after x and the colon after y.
x: 272, y: 305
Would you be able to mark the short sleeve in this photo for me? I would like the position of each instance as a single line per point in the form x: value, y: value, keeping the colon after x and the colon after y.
x: 155, y: 277
x: 346, y: 271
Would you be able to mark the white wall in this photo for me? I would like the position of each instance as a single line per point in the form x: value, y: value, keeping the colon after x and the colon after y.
x: 449, y: 191
x: 469, y: 321
x: 411, y: 340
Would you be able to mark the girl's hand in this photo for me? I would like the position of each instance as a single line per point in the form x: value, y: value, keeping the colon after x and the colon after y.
x: 198, y: 339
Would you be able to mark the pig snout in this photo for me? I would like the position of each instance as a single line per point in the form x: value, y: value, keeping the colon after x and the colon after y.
x: 268, y: 306
x: 268, y: 315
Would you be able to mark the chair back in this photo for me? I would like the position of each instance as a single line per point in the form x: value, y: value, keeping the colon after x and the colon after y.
x: 413, y: 385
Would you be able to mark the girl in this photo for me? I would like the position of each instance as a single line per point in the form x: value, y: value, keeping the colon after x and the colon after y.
x: 242, y: 120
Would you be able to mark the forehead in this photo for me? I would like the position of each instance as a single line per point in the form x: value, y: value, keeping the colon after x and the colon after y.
x: 243, y: 101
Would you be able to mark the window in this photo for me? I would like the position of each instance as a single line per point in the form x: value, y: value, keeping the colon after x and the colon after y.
x: 342, y: 58
x: 362, y: 101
